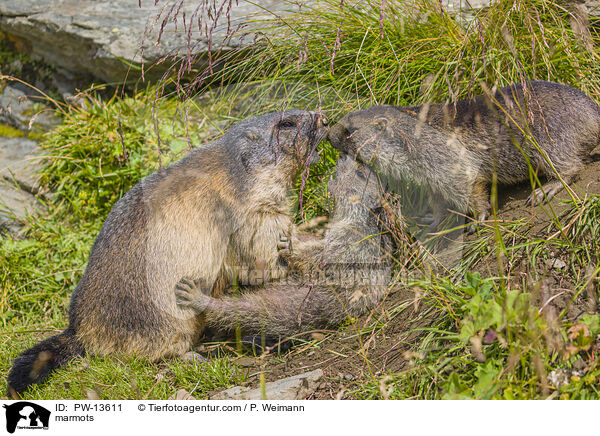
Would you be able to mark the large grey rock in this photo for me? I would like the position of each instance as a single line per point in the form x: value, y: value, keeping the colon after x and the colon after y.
x: 21, y: 108
x: 19, y: 161
x: 15, y: 205
x: 297, y: 387
x: 102, y: 38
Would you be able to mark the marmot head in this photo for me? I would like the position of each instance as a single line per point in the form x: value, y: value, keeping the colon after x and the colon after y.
x: 286, y: 140
x: 355, y: 186
x: 371, y: 135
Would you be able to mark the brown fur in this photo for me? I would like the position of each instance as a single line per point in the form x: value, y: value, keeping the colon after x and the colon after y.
x: 222, y: 207
x: 456, y: 149
x: 350, y: 266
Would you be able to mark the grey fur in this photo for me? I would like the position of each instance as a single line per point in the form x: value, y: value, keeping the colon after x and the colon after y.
x: 353, y: 246
x: 223, y: 206
x: 456, y: 149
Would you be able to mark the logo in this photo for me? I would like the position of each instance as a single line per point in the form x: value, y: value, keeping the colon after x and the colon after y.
x: 26, y: 415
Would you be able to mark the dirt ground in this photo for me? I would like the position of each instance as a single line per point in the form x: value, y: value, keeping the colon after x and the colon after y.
x: 346, y: 356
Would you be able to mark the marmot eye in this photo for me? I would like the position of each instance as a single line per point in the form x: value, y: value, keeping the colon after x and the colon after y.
x: 361, y: 175
x: 287, y: 124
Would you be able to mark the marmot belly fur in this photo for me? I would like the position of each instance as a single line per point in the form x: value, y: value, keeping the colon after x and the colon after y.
x: 349, y: 270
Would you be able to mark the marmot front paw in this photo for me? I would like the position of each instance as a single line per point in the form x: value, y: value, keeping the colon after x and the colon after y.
x: 189, y: 295
x: 284, y: 246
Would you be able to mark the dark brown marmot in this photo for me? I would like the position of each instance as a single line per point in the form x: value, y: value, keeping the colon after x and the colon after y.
x: 456, y: 149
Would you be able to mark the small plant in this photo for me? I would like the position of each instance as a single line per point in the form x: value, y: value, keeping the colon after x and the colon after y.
x: 493, y: 343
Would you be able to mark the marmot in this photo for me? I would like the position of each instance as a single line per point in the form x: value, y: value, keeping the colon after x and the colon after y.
x: 223, y: 206
x: 351, y: 269
x: 456, y: 149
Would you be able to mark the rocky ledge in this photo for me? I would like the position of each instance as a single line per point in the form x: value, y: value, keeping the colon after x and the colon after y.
x: 108, y: 39
x: 18, y: 181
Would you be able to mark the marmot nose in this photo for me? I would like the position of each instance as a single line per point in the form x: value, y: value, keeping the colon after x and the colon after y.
x: 336, y: 135
x: 323, y: 120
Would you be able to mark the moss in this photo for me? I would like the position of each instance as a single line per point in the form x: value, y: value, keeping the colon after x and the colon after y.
x: 10, y: 132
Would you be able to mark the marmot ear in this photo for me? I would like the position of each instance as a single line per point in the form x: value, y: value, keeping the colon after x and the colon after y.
x: 246, y: 158
x: 252, y: 135
x: 381, y: 123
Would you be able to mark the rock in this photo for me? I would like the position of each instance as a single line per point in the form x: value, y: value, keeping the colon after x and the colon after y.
x: 110, y: 39
x: 556, y: 263
x: 562, y: 377
x: 297, y: 387
x: 91, y: 394
x: 18, y: 181
x: 20, y: 107
x: 181, y: 394
x: 193, y: 357
x: 455, y: 5
x: 559, y: 378
x: 19, y: 163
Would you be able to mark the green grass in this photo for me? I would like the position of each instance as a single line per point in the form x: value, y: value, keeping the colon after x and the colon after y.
x: 118, y: 377
x: 15, y: 62
x: 492, y: 343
